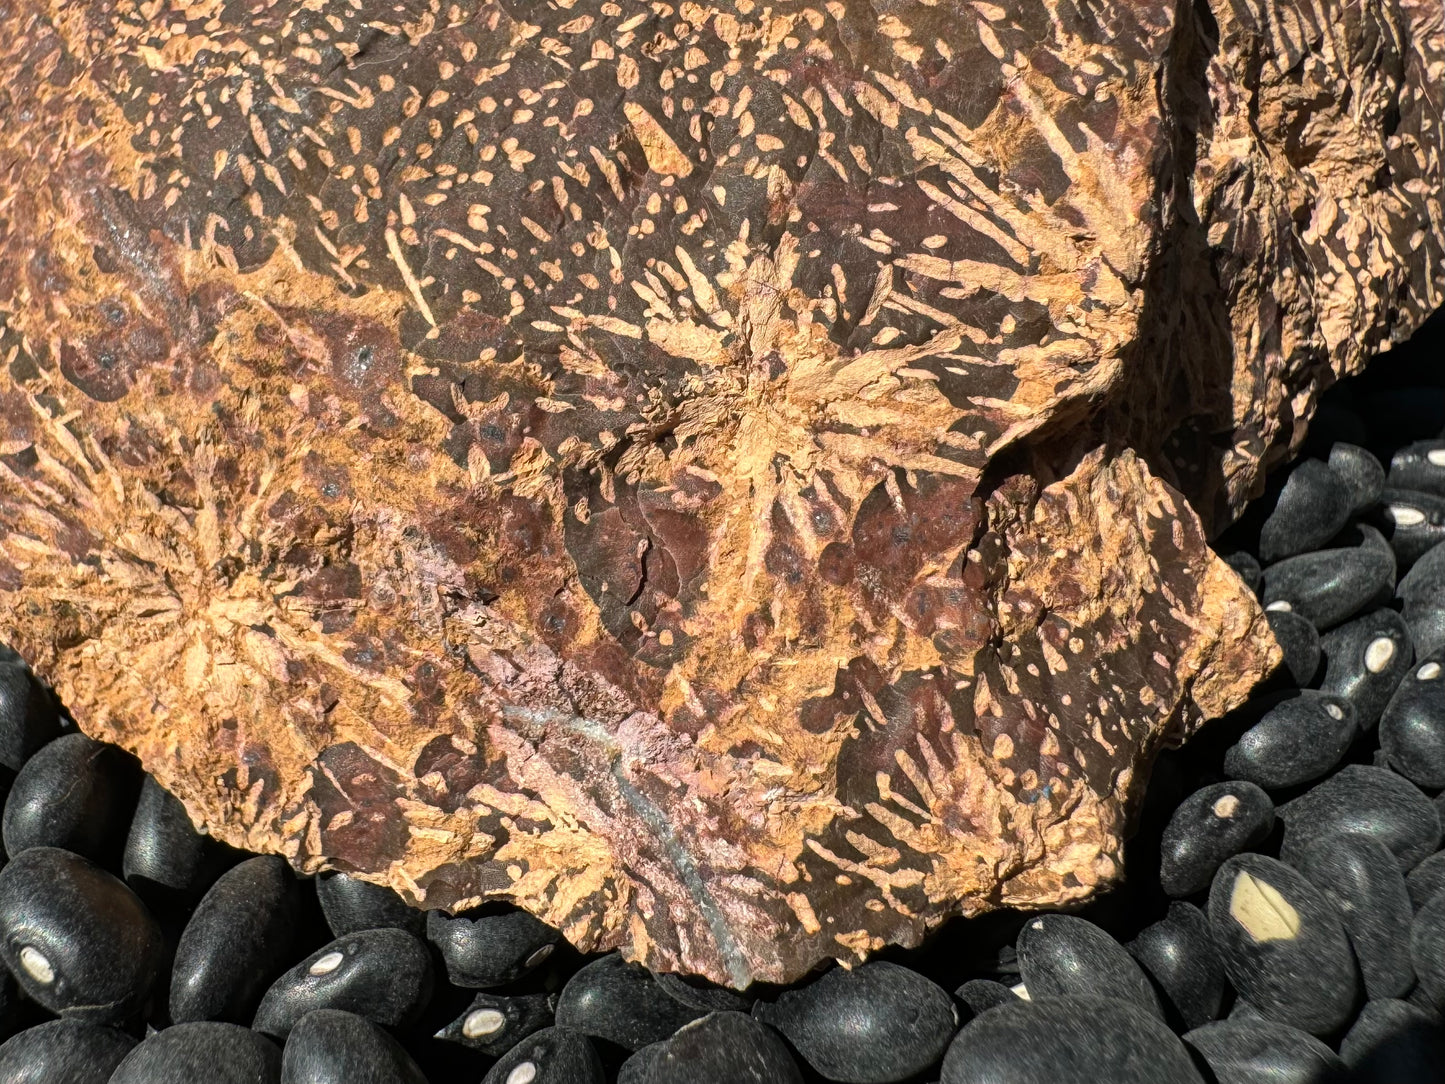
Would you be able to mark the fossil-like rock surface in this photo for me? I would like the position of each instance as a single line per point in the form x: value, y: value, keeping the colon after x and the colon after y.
x: 710, y: 474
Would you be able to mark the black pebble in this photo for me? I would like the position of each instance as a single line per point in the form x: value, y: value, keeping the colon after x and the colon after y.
x: 870, y: 1025
x: 77, y: 794
x: 1394, y: 1042
x: 1426, y: 578
x: 1414, y: 522
x: 980, y: 995
x: 1265, y: 1052
x: 493, y: 1023
x: 1243, y: 562
x: 1363, y: 880
x: 1064, y: 956
x: 29, y: 718
x: 1420, y: 466
x: 202, y: 1052
x: 1314, y: 504
x: 1297, y: 741
x: 1178, y: 953
x: 329, y: 1046
x: 554, y: 1055
x: 77, y: 939
x: 63, y: 1052
x: 1362, y: 474
x: 1300, y: 642
x: 1427, y: 949
x: 1068, y: 1040
x: 350, y: 904
x: 167, y: 862
x: 621, y: 1002
x: 1412, y: 726
x: 489, y: 949
x: 1327, y: 586
x: 1212, y: 824
x: 1422, y: 594
x: 720, y: 1048
x: 240, y: 938
x: 1365, y: 660
x: 384, y: 975
x: 1368, y: 801
x: 1282, y: 944
x: 698, y: 993
x: 1426, y: 879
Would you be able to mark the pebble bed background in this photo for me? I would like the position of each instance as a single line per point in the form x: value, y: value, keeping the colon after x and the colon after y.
x: 1283, y: 920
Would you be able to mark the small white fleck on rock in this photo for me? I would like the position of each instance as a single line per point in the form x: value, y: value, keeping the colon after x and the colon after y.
x: 483, y: 1022
x: 327, y: 964
x: 1227, y: 806
x: 1429, y: 672
x: 1379, y: 654
x: 538, y: 956
x: 1334, y: 711
x: 1402, y: 515
x: 1436, y: 456
x: 1022, y: 991
x: 1280, y: 605
x: 524, y: 1073
x: 36, y: 965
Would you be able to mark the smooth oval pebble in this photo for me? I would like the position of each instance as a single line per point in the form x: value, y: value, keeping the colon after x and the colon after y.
x: 873, y: 1024
x: 1362, y: 879
x: 63, y: 1052
x: 1394, y: 1042
x: 1419, y: 465
x: 1312, y: 507
x: 1068, y: 1040
x: 555, y: 1055
x: 29, y: 718
x: 1178, y: 953
x: 328, y: 1046
x: 76, y: 939
x: 621, y: 1002
x: 1212, y: 824
x: 166, y: 860
x: 351, y: 904
x: 1300, y: 642
x: 980, y: 995
x: 1412, y: 726
x: 1297, y: 741
x: 1361, y: 473
x: 1425, y: 618
x: 698, y: 993
x: 1365, y: 800
x: 489, y: 949
x: 1068, y: 956
x: 384, y: 975
x: 239, y: 939
x: 1327, y: 586
x: 76, y: 794
x: 1426, y: 578
x: 1244, y: 563
x: 720, y: 1048
x: 1427, y: 949
x: 1282, y: 945
x: 1413, y: 521
x: 1426, y: 879
x: 1265, y: 1052
x: 1365, y: 660
x: 494, y: 1023
x: 202, y: 1053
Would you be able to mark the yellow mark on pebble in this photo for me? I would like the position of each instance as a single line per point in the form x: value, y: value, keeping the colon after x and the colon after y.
x: 663, y: 155
x: 1265, y: 914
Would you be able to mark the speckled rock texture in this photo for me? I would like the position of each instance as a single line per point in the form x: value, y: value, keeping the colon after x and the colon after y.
x: 714, y: 475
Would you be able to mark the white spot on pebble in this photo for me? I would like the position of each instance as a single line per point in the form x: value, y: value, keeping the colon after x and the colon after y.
x: 1436, y: 456
x: 1402, y: 515
x: 524, y: 1073
x: 1334, y: 711
x: 1379, y: 654
x: 1280, y: 606
x: 327, y: 964
x: 1022, y: 991
x: 1265, y: 914
x: 538, y: 956
x: 483, y: 1022
x: 1429, y: 672
x: 1227, y: 806
x: 36, y: 965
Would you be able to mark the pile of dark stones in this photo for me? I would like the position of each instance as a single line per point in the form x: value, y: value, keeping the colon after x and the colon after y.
x: 1283, y: 919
